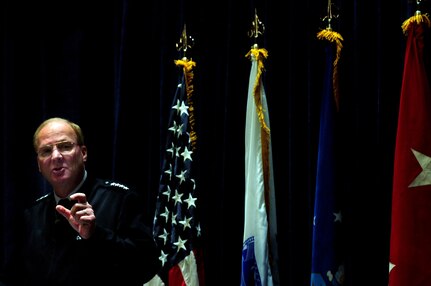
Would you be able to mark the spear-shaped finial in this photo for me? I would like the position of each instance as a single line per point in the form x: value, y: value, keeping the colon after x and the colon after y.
x: 258, y: 28
x: 185, y: 42
x: 329, y: 16
x: 418, y: 7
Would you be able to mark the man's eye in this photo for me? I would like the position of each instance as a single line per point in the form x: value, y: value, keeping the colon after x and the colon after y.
x: 45, y: 151
x: 64, y: 146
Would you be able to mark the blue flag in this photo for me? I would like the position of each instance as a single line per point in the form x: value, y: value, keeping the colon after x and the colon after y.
x: 327, y: 263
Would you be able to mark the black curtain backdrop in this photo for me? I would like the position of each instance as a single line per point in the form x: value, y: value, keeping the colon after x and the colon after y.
x: 109, y: 66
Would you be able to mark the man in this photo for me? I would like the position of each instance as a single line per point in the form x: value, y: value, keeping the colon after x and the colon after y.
x: 98, y: 237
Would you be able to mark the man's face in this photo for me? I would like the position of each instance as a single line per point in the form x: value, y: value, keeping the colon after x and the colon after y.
x: 60, y: 159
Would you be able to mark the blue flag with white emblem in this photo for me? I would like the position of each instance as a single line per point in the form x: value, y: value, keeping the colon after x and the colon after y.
x: 327, y: 253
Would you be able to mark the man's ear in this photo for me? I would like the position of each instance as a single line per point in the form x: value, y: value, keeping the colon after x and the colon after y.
x: 84, y: 153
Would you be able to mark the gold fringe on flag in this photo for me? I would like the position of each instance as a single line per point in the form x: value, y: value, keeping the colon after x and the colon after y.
x: 415, y: 19
x: 188, y: 66
x: 259, y: 54
x: 333, y: 36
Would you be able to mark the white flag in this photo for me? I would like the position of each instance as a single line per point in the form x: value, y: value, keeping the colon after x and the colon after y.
x: 259, y: 254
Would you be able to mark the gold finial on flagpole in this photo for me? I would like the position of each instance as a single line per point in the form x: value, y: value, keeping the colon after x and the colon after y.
x: 258, y: 28
x: 329, y: 16
x: 185, y: 42
x: 418, y: 7
x: 417, y: 18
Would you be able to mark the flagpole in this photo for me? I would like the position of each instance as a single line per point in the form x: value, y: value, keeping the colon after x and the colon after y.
x: 185, y: 43
x: 328, y: 258
x: 176, y: 227
x: 260, y: 250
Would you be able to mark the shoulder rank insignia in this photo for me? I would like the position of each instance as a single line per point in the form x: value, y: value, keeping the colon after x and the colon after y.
x: 114, y: 184
x: 42, y: 197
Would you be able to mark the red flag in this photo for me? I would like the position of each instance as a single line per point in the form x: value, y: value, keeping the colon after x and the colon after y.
x: 410, y: 246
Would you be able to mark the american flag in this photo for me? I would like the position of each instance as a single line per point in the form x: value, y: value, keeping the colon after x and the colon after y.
x: 176, y: 226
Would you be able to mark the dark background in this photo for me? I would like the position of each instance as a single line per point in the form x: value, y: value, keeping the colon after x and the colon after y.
x: 109, y: 66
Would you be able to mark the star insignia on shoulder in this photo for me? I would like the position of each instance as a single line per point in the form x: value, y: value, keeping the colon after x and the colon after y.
x: 115, y: 184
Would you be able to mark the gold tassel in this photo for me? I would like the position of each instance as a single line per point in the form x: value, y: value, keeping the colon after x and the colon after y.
x: 188, y: 66
x: 259, y: 54
x: 333, y: 36
x: 417, y: 18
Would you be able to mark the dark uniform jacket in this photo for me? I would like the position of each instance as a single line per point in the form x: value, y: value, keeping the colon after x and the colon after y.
x: 121, y: 251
